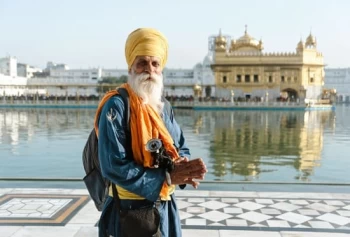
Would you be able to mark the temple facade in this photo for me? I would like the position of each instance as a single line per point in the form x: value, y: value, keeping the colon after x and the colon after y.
x: 242, y: 70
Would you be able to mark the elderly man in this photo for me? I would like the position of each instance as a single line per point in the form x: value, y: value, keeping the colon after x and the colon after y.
x: 124, y: 157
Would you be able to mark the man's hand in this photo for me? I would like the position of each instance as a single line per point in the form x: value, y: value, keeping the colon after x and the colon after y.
x: 186, y: 171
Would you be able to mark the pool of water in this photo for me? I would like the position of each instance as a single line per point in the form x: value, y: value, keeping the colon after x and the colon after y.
x: 259, y: 146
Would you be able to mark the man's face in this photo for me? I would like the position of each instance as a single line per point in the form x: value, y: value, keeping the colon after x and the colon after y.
x: 146, y: 79
x: 146, y: 64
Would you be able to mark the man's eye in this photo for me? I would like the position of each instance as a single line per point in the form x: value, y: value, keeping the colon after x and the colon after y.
x: 142, y: 63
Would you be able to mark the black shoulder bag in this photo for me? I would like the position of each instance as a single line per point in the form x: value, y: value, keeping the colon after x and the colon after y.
x: 137, y: 222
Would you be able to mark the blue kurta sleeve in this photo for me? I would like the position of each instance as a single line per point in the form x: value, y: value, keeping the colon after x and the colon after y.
x: 116, y: 160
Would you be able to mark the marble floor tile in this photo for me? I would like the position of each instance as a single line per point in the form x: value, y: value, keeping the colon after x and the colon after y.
x: 215, y: 216
x: 294, y: 217
x: 87, y: 232
x: 200, y: 233
x: 254, y: 216
x: 213, y: 205
x: 8, y: 231
x: 322, y: 207
x: 246, y: 233
x: 248, y: 205
x: 335, y: 219
x: 280, y: 224
x: 284, y: 206
x: 46, y: 231
x: 310, y: 234
x: 236, y: 222
x: 321, y: 225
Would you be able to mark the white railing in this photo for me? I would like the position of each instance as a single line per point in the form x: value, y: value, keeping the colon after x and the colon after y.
x: 237, y: 104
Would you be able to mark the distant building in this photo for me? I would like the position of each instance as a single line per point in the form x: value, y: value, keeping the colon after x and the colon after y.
x: 339, y: 79
x: 114, y: 73
x: 242, y: 68
x: 8, y: 66
x: 10, y: 83
x: 59, y: 80
x: 184, y: 82
x: 25, y: 70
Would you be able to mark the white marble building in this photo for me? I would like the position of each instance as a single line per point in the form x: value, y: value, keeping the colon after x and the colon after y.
x: 339, y: 79
x: 60, y: 80
x: 8, y: 66
x: 181, y: 82
x: 10, y: 83
x: 26, y: 70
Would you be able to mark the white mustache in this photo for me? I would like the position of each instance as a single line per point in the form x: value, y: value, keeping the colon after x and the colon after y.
x: 145, y: 77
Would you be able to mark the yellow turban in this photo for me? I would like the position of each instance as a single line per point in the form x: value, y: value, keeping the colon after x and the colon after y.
x: 146, y: 42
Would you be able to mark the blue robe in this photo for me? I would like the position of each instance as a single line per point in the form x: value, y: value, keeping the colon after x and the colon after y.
x: 117, y: 165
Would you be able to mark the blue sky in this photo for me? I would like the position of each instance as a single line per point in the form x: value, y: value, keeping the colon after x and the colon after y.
x: 91, y: 33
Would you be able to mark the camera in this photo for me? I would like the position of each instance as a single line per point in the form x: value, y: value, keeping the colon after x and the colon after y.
x: 160, y: 157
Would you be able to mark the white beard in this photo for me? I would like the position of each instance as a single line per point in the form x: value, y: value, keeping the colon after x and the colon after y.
x: 149, y: 90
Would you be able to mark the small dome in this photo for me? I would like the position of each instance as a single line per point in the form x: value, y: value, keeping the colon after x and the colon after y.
x: 208, y: 60
x: 198, y: 65
x: 300, y: 44
x: 310, y: 41
x: 220, y: 38
x: 220, y: 43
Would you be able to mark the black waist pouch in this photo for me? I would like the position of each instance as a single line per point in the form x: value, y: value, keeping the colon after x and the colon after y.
x: 140, y: 222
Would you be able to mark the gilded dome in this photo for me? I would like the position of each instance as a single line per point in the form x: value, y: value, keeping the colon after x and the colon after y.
x: 220, y: 38
x: 246, y: 41
x: 220, y: 42
x: 300, y: 44
x: 310, y: 41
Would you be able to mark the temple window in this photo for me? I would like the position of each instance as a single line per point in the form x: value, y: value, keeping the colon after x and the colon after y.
x: 256, y: 78
x: 224, y: 79
x: 311, y: 80
x: 282, y: 79
x: 239, y: 78
x: 247, y: 78
x: 270, y: 79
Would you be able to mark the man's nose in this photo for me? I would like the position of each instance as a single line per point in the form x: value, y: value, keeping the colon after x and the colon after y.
x: 149, y: 67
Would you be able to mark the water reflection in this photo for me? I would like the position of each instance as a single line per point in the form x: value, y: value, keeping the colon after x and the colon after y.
x: 19, y: 126
x: 248, y: 144
x: 236, y: 145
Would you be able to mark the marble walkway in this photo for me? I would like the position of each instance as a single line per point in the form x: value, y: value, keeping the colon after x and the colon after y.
x: 71, y: 213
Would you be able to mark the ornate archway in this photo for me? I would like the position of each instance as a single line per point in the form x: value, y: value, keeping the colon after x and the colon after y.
x: 290, y: 94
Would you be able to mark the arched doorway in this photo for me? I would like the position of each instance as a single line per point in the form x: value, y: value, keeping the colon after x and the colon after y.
x: 289, y: 94
x: 208, y: 91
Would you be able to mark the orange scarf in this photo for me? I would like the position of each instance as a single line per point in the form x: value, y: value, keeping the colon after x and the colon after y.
x: 145, y: 124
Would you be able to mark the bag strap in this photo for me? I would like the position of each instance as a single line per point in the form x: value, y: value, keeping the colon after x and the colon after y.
x: 125, y: 97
